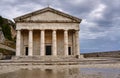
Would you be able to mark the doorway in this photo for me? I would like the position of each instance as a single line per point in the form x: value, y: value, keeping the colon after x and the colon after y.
x: 48, y: 50
x: 69, y: 51
x: 26, y: 50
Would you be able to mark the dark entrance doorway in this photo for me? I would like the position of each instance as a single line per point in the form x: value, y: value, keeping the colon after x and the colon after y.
x: 69, y: 51
x: 26, y: 50
x: 48, y: 50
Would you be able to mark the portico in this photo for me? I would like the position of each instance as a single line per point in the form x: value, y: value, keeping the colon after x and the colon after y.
x: 42, y: 42
x: 47, y: 32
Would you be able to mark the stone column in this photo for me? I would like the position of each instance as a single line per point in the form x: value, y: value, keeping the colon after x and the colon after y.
x: 54, y: 43
x: 18, y: 42
x: 30, y: 43
x: 42, y: 43
x: 77, y: 42
x: 66, y: 42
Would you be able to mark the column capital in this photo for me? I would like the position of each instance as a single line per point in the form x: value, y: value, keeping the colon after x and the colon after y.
x: 30, y: 29
x: 42, y: 29
x: 54, y: 29
x: 65, y: 29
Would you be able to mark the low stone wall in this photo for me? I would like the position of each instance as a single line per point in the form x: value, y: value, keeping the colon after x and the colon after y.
x: 103, y: 54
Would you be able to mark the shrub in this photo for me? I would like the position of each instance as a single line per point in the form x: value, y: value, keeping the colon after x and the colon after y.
x: 6, y: 31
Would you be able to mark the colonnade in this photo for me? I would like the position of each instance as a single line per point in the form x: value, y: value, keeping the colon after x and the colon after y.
x: 42, y: 43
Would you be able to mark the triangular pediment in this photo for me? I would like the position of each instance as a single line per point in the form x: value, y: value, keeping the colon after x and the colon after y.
x: 47, y: 15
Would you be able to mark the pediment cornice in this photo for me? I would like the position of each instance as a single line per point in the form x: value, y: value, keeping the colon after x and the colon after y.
x: 21, y: 18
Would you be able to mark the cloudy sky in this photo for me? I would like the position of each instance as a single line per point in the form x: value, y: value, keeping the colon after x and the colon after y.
x: 100, y: 28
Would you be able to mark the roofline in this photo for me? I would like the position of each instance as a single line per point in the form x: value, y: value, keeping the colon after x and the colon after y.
x: 40, y: 21
x: 46, y: 9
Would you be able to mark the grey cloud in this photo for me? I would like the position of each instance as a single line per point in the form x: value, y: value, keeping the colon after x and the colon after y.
x: 103, y: 31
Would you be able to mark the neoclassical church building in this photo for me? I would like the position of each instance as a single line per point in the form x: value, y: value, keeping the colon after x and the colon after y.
x: 47, y: 32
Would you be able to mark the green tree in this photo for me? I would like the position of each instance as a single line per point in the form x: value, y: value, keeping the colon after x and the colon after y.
x: 6, y: 31
x: 5, y: 28
x: 1, y: 20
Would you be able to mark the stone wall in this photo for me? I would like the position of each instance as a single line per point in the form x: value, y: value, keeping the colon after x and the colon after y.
x: 103, y: 54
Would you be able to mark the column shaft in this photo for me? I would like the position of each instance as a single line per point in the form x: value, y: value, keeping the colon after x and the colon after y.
x: 65, y: 42
x: 30, y: 43
x: 54, y: 43
x: 42, y: 43
x: 18, y: 42
x: 77, y: 42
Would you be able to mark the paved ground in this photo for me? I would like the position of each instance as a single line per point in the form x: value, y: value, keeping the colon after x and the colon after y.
x: 62, y: 62
x: 13, y: 65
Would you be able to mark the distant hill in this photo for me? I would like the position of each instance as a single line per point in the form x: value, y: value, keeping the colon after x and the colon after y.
x: 103, y: 54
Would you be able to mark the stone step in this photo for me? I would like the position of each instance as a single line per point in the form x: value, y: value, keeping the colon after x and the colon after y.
x: 45, y: 58
x: 56, y: 62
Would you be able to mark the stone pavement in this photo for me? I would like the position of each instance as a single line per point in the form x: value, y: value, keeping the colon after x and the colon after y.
x: 57, y: 61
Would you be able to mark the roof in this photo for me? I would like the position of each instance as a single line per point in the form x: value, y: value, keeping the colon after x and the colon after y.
x: 18, y: 19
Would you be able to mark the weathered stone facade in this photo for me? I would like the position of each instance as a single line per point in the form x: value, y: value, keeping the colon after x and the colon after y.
x: 47, y: 32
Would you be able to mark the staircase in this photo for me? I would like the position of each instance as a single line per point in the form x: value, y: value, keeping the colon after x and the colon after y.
x: 44, y: 58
